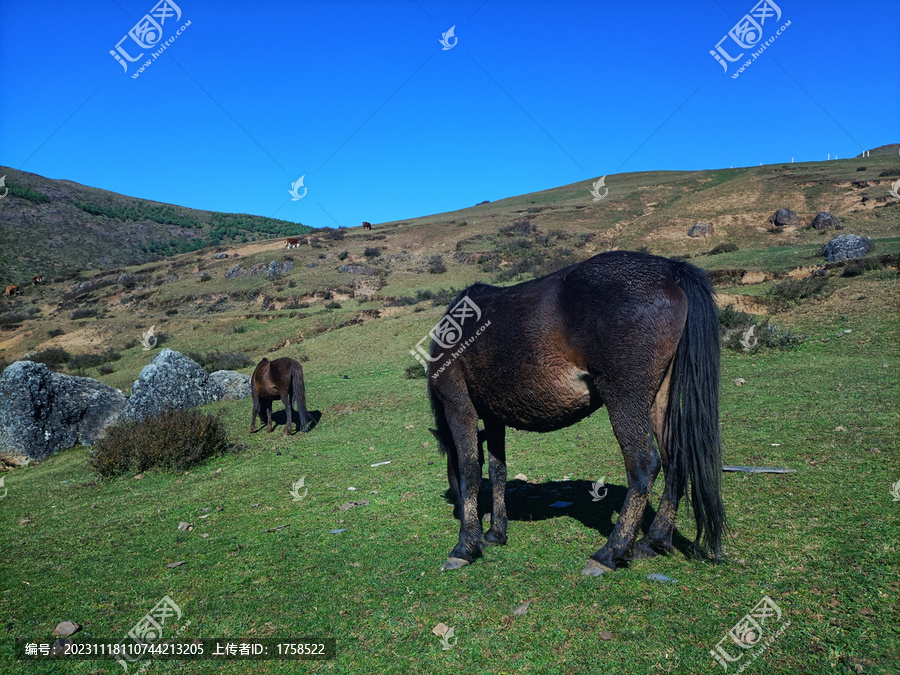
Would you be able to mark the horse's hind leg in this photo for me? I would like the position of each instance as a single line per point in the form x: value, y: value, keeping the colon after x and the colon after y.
x: 286, y: 401
x: 495, y: 432
x: 631, y: 424
x: 659, y: 538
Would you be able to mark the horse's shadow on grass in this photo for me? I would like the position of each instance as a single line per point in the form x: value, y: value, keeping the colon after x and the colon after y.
x: 530, y: 501
x: 279, y: 417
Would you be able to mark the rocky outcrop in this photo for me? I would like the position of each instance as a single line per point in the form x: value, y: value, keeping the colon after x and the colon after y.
x: 824, y: 220
x: 847, y: 247
x: 785, y: 218
x: 42, y: 411
x: 170, y: 381
x: 234, y: 385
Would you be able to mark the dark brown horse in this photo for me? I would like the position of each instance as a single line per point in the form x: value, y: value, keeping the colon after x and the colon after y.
x: 281, y: 378
x: 367, y: 226
x: 631, y: 331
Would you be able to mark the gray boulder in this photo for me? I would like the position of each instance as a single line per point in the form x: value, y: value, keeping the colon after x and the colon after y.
x: 847, y: 247
x: 170, y: 381
x: 785, y: 218
x: 42, y: 411
x: 219, y: 256
x: 274, y: 269
x: 824, y: 220
x: 700, y: 230
x: 235, y: 385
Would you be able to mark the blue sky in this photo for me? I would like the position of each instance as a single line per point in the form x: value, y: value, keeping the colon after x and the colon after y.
x: 361, y: 99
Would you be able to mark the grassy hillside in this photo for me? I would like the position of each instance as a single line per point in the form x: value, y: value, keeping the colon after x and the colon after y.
x: 819, y: 542
x: 51, y: 227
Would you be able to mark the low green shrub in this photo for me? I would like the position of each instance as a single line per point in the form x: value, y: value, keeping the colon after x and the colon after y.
x: 173, y: 441
x: 216, y: 360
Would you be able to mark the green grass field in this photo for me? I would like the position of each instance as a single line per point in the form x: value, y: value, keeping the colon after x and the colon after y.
x: 821, y: 543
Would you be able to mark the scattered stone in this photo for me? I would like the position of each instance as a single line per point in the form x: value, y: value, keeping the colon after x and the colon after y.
x: 205, y: 535
x: 440, y: 629
x: 346, y: 506
x: 182, y: 526
x: 177, y: 564
x: 700, y: 230
x: 235, y: 272
x: 662, y: 578
x: 219, y: 256
x: 740, y: 382
x: 522, y: 609
x: 275, y: 269
x: 337, y: 531
x: 66, y: 628
x: 520, y: 476
x: 840, y: 428
x: 235, y: 385
x: 42, y: 411
x: 24, y: 521
x: 170, y: 381
x: 785, y: 218
x: 847, y: 247
x: 824, y: 220
x: 139, y: 476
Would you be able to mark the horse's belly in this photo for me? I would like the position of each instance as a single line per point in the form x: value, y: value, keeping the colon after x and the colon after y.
x: 545, y: 399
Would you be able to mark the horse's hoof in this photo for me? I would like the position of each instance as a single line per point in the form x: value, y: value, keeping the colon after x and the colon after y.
x: 643, y: 550
x: 453, y: 564
x: 494, y: 539
x: 595, y: 569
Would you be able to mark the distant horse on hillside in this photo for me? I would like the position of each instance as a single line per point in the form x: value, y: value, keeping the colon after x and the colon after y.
x: 367, y: 226
x: 291, y: 242
x: 37, y: 279
x: 635, y: 332
x: 11, y: 290
x: 271, y: 380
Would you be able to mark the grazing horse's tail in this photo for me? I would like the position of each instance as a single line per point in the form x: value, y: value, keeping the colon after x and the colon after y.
x: 300, y: 398
x: 692, y: 417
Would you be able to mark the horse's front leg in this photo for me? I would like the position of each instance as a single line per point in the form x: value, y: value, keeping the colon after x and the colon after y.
x: 464, y: 426
x: 495, y: 433
x: 631, y: 426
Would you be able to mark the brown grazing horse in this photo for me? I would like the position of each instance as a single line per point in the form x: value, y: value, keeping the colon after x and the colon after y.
x: 11, y: 291
x: 271, y: 380
x: 37, y: 279
x: 631, y: 331
x: 367, y: 226
x: 292, y: 242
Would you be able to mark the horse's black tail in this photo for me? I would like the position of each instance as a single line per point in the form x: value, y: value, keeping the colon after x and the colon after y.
x: 447, y: 446
x: 692, y: 417
x: 300, y: 398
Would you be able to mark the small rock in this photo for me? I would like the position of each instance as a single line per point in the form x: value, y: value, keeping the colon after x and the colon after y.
x: 603, y: 635
x: 352, y: 505
x: 440, y: 629
x: 352, y: 489
x: 700, y: 230
x: 662, y: 578
x: 177, y: 564
x: 824, y: 220
x: 522, y: 609
x: 24, y: 521
x: 182, y: 526
x: 520, y: 476
x: 139, y: 476
x: 740, y: 382
x: 205, y: 535
x: 337, y: 531
x: 840, y: 428
x: 785, y: 218
x: 847, y: 247
x: 65, y: 628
